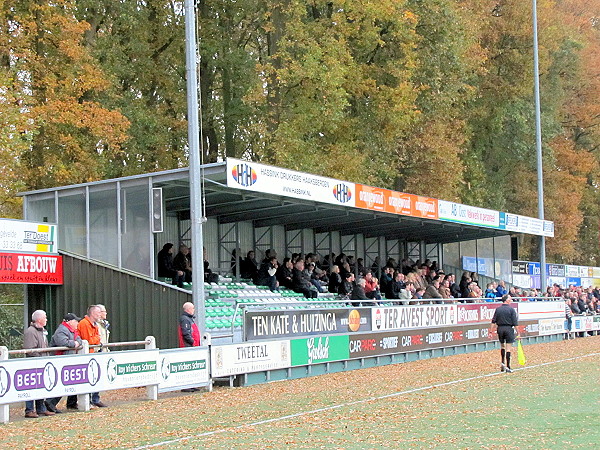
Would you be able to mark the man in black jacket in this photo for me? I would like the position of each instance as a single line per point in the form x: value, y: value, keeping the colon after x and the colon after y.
x: 301, y: 282
x: 165, y: 265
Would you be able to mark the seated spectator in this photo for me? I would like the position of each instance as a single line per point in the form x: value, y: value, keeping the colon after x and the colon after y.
x: 310, y: 272
x: 358, y: 293
x: 165, y: 265
x: 301, y: 282
x: 284, y: 273
x: 249, y: 266
x: 209, y: 276
x: 490, y: 293
x: 396, y: 286
x: 432, y: 291
x: 347, y: 285
x: 501, y: 289
x: 266, y: 274
x: 465, y: 287
x: 372, y: 287
x: 335, y: 280
x: 181, y: 263
x: 444, y: 289
x: 581, y: 303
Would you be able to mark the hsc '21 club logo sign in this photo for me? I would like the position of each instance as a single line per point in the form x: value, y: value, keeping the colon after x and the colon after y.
x: 342, y: 193
x: 244, y: 174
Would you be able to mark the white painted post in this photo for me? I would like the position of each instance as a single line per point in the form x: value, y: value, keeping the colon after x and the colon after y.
x: 83, y: 400
x: 4, y: 409
x: 152, y: 390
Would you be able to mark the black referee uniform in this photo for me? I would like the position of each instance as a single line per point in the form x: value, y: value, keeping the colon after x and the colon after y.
x: 506, y: 318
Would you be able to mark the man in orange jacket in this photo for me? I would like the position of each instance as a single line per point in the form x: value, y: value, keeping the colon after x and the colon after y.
x: 88, y: 330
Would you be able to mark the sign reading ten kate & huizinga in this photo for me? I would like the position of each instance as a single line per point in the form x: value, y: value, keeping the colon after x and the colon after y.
x: 31, y: 268
x: 275, y: 324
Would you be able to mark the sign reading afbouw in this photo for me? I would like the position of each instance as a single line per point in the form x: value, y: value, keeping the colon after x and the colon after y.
x: 28, y: 237
x: 288, y: 183
x: 31, y: 269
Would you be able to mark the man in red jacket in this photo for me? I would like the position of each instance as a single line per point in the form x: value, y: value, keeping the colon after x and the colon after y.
x: 189, y: 335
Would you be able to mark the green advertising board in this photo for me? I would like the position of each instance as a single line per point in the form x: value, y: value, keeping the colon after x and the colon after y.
x: 319, y: 349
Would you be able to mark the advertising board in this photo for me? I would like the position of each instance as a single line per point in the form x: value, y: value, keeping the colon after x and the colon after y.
x: 182, y: 368
x: 57, y: 376
x: 258, y: 177
x: 20, y: 268
x: 21, y: 236
x: 275, y: 324
x: 410, y: 317
x: 247, y: 358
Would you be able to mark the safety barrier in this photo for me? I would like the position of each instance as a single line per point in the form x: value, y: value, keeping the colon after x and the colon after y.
x: 84, y: 373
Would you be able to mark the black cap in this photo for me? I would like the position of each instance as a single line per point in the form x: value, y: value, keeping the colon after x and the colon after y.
x: 71, y: 316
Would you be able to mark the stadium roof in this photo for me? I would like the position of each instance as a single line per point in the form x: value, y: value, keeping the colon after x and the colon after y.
x: 236, y: 190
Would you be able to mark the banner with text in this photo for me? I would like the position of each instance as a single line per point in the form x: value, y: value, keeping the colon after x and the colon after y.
x: 257, y: 177
x: 409, y: 317
x: 57, y: 376
x: 183, y: 368
x: 379, y: 199
x: 18, y: 268
x: 247, y: 358
x: 273, y: 324
x: 28, y: 237
x: 319, y: 349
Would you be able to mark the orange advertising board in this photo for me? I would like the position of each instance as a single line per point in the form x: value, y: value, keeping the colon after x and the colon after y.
x: 378, y: 199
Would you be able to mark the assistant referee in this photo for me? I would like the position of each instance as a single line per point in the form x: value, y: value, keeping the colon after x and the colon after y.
x: 505, y: 320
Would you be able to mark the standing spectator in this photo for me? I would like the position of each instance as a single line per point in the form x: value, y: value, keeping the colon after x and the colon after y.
x: 66, y: 335
x: 189, y: 334
x: 237, y: 264
x: 335, y: 280
x: 165, y: 265
x: 36, y: 336
x: 249, y: 266
x: 103, y: 327
x: 569, y: 317
x: 90, y: 331
x: 386, y: 279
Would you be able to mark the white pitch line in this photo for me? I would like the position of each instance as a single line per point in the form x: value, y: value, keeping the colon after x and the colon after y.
x: 356, y: 402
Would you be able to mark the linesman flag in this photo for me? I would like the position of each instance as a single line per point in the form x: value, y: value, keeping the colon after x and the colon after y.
x: 520, y: 353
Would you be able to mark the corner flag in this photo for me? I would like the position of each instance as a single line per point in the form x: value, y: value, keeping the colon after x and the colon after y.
x: 520, y: 353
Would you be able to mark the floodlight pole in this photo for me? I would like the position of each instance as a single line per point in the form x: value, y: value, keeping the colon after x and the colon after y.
x: 194, y: 171
x: 538, y: 146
